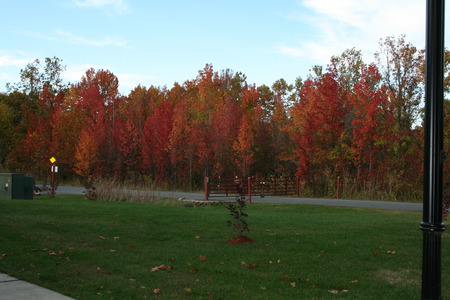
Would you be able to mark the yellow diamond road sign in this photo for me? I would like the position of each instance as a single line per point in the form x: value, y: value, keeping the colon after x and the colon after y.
x: 52, y: 160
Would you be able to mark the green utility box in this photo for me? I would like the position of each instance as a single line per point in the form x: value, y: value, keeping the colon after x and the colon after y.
x: 16, y: 186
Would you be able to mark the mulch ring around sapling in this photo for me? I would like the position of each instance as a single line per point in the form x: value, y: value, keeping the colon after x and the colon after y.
x: 240, y: 240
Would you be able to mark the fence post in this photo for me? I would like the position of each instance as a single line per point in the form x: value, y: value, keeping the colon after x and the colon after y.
x: 338, y: 188
x: 297, y: 186
x: 285, y: 185
x: 249, y: 186
x: 275, y: 185
x: 206, y: 185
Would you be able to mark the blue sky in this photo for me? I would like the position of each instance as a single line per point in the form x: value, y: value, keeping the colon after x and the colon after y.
x: 158, y: 43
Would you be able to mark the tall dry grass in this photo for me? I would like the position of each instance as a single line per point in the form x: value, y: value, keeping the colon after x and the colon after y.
x: 117, y: 190
x: 391, y: 187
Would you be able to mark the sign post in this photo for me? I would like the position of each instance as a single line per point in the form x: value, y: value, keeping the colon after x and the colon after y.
x: 54, y: 169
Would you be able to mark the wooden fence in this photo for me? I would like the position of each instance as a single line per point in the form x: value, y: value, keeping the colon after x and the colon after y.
x: 234, y: 186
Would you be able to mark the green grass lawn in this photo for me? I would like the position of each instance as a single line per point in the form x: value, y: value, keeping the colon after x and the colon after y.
x: 118, y: 250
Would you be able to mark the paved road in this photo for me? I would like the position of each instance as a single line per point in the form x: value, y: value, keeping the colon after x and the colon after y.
x: 272, y: 199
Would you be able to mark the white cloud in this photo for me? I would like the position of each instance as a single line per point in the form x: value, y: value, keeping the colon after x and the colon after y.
x: 67, y: 37
x: 10, y: 58
x: 290, y: 51
x: 11, y: 62
x: 344, y: 24
x: 74, y: 73
x: 118, y: 6
x: 104, y: 42
x: 5, y: 77
x: 127, y: 81
x: 7, y: 60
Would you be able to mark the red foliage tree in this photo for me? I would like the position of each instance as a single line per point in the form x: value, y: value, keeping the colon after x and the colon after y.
x: 243, y: 146
x: 372, y: 125
x: 86, y: 154
x: 181, y: 146
x: 224, y: 128
x: 67, y: 123
x: 319, y: 129
x: 155, y: 141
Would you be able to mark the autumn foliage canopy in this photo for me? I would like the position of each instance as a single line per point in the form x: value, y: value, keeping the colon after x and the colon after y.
x: 359, y: 121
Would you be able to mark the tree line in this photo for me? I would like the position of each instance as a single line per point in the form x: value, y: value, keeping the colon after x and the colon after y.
x: 358, y: 121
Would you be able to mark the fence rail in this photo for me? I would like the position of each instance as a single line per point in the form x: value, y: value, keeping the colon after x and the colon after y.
x: 251, y: 186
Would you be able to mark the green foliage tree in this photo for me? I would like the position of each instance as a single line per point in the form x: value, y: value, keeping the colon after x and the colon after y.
x: 35, y: 76
x: 7, y: 130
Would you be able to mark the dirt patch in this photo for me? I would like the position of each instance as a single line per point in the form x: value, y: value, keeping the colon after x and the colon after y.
x: 402, y: 277
x: 240, y: 240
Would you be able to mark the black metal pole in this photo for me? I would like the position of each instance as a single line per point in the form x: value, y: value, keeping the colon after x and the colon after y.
x: 432, y: 226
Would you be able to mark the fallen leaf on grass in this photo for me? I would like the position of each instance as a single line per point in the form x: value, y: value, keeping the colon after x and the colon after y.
x: 252, y: 265
x: 353, y: 281
x: 117, y: 237
x: 203, y: 258
x: 292, y: 284
x: 285, y: 277
x: 263, y: 288
x: 279, y: 261
x: 53, y: 253
x: 188, y: 290
x: 112, y: 250
x: 194, y: 270
x: 102, y: 237
x: 156, y: 291
x: 196, y: 237
x: 391, y: 252
x: 333, y: 291
x: 161, y: 267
